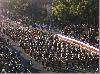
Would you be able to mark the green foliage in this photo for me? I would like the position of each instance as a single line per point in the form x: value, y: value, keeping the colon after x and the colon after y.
x: 86, y: 10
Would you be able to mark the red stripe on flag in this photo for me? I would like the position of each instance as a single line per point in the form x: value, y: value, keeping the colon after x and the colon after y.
x: 83, y: 46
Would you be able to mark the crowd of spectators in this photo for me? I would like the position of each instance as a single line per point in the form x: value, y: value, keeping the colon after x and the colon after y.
x: 84, y: 33
x: 9, y: 61
x: 52, y: 53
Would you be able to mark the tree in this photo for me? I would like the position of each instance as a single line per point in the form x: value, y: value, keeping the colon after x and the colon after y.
x: 83, y: 11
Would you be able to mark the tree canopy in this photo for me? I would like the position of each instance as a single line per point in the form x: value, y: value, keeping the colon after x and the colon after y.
x: 85, y: 11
